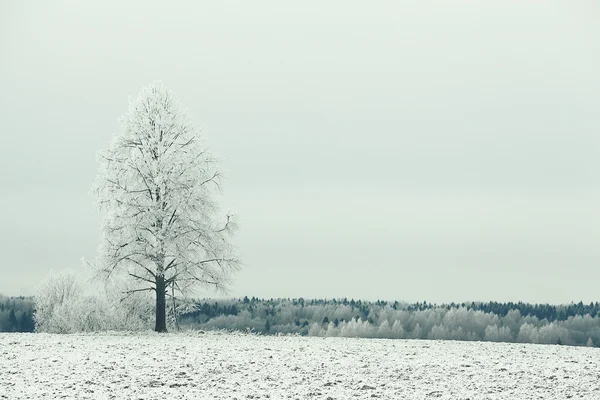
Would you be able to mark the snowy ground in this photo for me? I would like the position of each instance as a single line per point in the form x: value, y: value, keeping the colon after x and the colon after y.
x: 230, y: 366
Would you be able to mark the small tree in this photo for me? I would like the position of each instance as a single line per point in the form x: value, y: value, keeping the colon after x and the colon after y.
x: 156, y: 183
x: 57, y: 293
x: 62, y: 305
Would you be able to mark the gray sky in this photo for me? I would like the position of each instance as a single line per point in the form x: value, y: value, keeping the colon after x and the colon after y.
x: 411, y: 150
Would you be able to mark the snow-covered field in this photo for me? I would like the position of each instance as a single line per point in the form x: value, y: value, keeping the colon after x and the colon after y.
x: 238, y: 366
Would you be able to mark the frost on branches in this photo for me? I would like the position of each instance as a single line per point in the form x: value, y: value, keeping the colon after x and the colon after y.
x: 62, y: 305
x: 156, y: 184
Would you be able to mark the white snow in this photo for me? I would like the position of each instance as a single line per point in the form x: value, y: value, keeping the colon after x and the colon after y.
x: 239, y: 366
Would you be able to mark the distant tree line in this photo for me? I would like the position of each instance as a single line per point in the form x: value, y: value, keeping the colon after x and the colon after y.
x: 541, y: 311
x: 16, y: 314
x: 62, y: 307
x: 570, y: 324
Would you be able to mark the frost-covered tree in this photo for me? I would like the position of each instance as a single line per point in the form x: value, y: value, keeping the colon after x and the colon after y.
x: 528, y: 334
x: 60, y: 291
x: 495, y: 334
x: 156, y: 183
x: 63, y: 306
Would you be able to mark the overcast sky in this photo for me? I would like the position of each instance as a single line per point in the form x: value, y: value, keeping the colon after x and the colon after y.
x: 410, y: 150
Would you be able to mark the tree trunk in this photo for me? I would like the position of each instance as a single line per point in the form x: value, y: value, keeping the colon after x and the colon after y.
x: 161, y: 309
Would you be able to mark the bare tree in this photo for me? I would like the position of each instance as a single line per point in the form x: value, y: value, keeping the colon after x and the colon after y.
x: 157, y: 183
